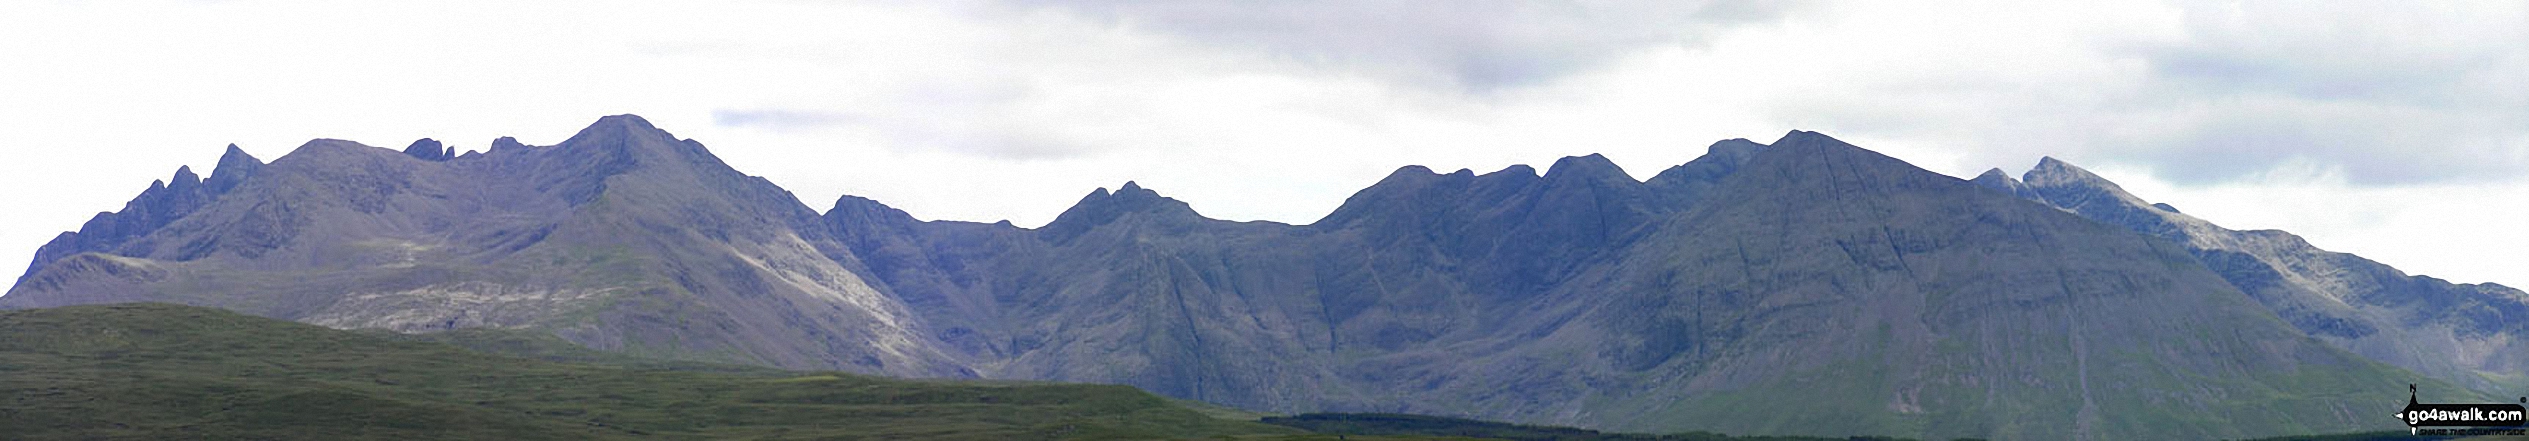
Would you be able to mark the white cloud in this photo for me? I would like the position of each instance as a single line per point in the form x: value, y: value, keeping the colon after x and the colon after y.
x: 1476, y: 46
x: 1011, y: 110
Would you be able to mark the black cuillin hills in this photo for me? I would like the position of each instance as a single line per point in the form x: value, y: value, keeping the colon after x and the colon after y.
x: 1802, y: 287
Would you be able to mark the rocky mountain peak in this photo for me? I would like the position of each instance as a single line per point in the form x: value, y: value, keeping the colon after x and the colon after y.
x: 627, y: 122
x: 506, y: 144
x: 1998, y: 180
x: 1798, y: 138
x: 1594, y: 167
x: 184, y: 179
x: 865, y: 208
x: 2051, y: 172
x: 1803, y: 157
x: 626, y: 129
x: 235, y: 165
x: 430, y: 150
x: 866, y: 220
x: 1514, y: 170
x: 1995, y: 175
x: 1734, y: 147
x: 1719, y: 160
x: 1397, y: 184
x: 1135, y: 190
x: 1133, y: 198
x: 2071, y: 187
x: 236, y: 155
x: 1101, y: 207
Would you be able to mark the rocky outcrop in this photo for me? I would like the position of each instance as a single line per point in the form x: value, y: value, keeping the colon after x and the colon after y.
x: 622, y: 237
x: 430, y: 150
x: 125, y: 232
x: 2467, y: 334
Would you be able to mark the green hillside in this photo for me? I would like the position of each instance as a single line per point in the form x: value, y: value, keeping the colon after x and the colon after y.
x: 155, y: 371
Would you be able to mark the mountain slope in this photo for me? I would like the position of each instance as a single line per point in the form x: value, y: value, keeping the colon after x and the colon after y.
x: 1739, y: 293
x: 1803, y: 287
x: 621, y: 238
x: 2476, y: 335
x: 1827, y: 289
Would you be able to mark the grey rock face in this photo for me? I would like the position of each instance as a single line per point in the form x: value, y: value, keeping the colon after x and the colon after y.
x: 125, y: 232
x: 2467, y: 334
x: 1742, y: 291
x: 430, y: 150
x: 1758, y: 280
x: 622, y: 238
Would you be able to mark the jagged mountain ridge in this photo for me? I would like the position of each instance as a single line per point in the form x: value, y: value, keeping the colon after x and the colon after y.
x: 2475, y: 335
x: 1579, y: 296
x: 621, y: 238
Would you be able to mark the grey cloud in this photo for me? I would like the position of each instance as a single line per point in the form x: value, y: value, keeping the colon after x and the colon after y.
x: 2371, y: 146
x: 914, y: 129
x: 972, y: 116
x: 781, y: 119
x: 1473, y: 46
x: 2389, y: 93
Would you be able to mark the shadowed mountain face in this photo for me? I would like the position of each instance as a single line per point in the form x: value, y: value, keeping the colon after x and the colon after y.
x: 621, y: 238
x: 2475, y: 335
x: 1804, y: 287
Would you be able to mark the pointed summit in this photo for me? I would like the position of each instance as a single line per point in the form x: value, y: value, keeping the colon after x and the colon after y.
x: 1797, y: 138
x: 1997, y: 180
x: 1805, y: 156
x: 2053, y: 172
x: 2071, y: 188
x: 1594, y: 167
x: 1101, y: 207
x: 234, y: 167
x: 627, y: 121
x: 1395, y: 188
x: 1995, y: 174
x: 1133, y: 197
x: 625, y: 127
x: 184, y: 178
x: 1134, y: 187
x: 1819, y: 150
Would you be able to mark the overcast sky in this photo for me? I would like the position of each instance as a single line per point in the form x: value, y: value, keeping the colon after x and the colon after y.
x: 2394, y: 130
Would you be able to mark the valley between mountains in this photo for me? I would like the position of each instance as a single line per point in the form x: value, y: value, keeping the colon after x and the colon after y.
x: 1804, y: 286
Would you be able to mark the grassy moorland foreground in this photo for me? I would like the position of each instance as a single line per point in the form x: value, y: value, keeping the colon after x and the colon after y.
x: 164, y: 371
x: 158, y: 371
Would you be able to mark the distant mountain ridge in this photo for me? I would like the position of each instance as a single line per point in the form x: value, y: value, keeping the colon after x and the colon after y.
x: 1805, y: 286
x: 621, y: 237
x: 2470, y: 334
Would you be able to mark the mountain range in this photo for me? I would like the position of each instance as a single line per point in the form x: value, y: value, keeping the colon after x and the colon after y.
x: 1805, y: 286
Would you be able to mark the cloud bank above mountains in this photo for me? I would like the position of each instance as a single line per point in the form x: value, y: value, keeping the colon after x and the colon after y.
x: 2393, y: 130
